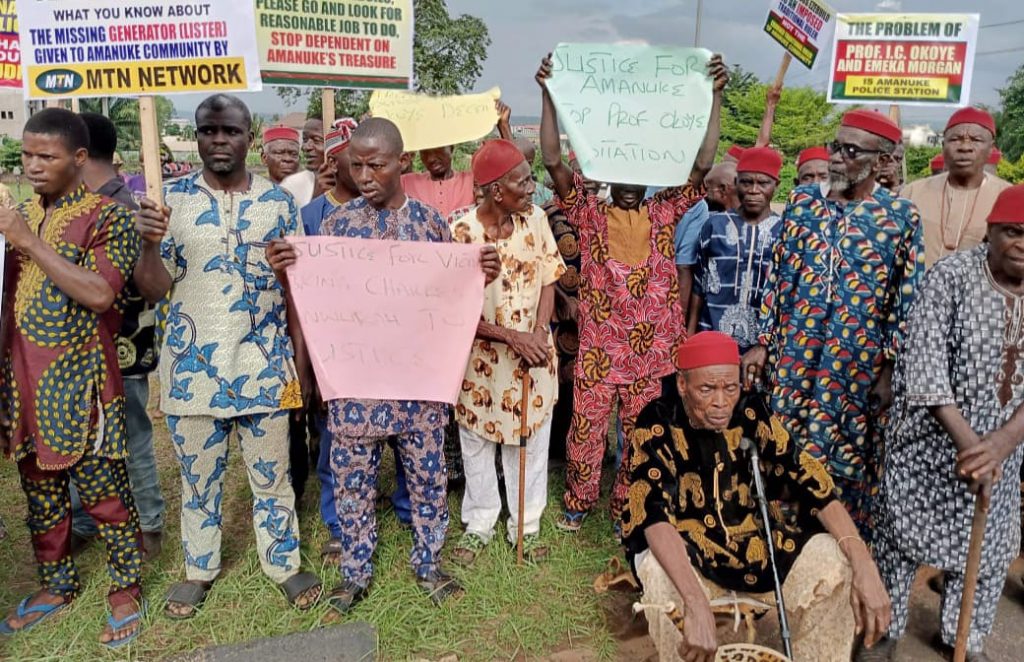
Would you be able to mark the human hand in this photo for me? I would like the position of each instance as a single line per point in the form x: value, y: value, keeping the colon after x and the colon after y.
x: 152, y: 221
x: 490, y: 263
x: 504, y: 112
x: 327, y: 175
x: 872, y: 608
x: 531, y: 347
x: 718, y: 72
x: 983, y: 462
x: 773, y: 95
x: 700, y: 641
x: 15, y: 229
x: 281, y: 255
x: 752, y: 366
x: 544, y: 72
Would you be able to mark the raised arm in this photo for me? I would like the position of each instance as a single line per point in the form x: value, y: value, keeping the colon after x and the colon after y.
x: 504, y: 119
x: 771, y: 102
x: 550, y: 142
x: 706, y: 155
x: 151, y: 275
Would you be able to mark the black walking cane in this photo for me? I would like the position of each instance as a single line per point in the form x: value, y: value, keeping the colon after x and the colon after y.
x: 762, y: 499
x: 524, y: 433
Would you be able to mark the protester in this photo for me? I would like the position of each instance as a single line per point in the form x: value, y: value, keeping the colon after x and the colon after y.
x: 733, y: 154
x: 385, y: 212
x: 735, y: 253
x: 226, y: 367
x: 313, y: 215
x: 937, y: 164
x: 693, y: 529
x: 565, y: 330
x: 630, y: 314
x: 513, y: 337
x: 992, y: 165
x: 844, y: 273
x: 954, y: 204
x: 812, y: 166
x: 957, y: 429
x: 280, y: 152
x: 720, y: 184
x: 137, y: 358
x: 542, y: 194
x: 305, y: 185
x: 70, y: 252
x: 890, y: 177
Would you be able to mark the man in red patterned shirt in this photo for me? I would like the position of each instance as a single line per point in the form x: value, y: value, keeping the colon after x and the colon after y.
x: 630, y: 315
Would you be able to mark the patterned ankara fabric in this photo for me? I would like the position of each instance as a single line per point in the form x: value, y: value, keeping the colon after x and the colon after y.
x: 630, y: 317
x: 490, y: 402
x: 834, y: 311
x: 731, y: 271
x: 356, y: 465
x: 201, y: 445
x: 700, y: 482
x: 225, y: 349
x: 413, y: 222
x: 60, y: 387
x: 106, y: 495
x: 964, y: 347
x: 563, y: 325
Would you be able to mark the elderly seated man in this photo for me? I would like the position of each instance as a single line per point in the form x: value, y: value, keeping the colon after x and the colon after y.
x: 693, y: 530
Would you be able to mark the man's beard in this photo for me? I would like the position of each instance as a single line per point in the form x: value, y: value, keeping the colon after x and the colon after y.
x: 846, y: 183
x: 222, y: 167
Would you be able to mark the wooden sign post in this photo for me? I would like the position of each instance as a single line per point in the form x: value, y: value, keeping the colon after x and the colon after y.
x: 783, y: 68
x: 328, y: 109
x: 152, y: 168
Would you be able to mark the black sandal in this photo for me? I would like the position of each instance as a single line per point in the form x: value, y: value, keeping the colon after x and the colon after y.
x: 296, y: 586
x: 331, y: 548
x: 189, y: 594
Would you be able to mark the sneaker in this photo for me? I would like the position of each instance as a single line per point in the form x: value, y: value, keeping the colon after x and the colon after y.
x: 345, y: 595
x: 467, y: 549
x: 571, y: 521
x: 439, y: 586
x: 534, y: 550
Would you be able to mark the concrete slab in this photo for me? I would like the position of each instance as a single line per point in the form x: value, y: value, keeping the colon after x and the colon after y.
x: 349, y: 642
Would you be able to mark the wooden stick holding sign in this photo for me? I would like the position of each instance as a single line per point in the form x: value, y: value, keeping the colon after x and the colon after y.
x: 152, y: 168
x: 327, y: 101
x: 783, y: 68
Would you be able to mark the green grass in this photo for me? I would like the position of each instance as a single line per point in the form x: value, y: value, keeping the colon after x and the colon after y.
x: 507, y: 612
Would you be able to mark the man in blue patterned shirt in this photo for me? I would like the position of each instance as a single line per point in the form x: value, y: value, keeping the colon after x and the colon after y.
x: 359, y: 428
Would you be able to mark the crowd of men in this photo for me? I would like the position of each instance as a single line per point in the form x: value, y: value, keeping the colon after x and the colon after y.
x: 866, y: 340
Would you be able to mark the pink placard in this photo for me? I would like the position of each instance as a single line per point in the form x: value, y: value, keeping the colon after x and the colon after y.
x: 387, y: 319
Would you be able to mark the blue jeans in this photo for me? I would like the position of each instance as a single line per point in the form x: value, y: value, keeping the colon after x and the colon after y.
x: 141, y: 466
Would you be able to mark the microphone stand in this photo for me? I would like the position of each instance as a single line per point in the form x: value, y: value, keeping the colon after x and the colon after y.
x: 762, y: 499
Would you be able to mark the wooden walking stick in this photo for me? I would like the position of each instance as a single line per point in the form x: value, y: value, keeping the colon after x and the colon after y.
x: 963, y: 625
x: 524, y: 433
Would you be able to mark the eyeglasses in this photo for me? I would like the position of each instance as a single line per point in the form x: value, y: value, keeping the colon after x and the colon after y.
x: 850, y: 151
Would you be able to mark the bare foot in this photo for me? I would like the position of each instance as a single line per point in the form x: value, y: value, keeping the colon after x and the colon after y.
x: 120, y: 613
x: 43, y: 597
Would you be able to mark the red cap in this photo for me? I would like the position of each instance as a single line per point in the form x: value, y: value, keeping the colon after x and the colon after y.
x: 1009, y: 206
x: 572, y: 155
x: 273, y: 133
x: 764, y: 160
x: 938, y: 162
x: 494, y: 160
x: 812, y: 154
x: 873, y: 122
x: 735, y: 152
x: 972, y: 115
x: 995, y: 156
x: 707, y: 348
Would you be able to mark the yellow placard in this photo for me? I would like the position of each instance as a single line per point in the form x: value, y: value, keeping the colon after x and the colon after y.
x: 125, y: 78
x: 426, y: 121
x: 893, y: 87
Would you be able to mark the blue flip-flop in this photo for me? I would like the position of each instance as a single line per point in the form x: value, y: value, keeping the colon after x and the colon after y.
x: 116, y: 625
x: 23, y: 610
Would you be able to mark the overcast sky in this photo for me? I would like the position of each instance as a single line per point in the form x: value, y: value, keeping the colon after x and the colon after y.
x: 522, y: 31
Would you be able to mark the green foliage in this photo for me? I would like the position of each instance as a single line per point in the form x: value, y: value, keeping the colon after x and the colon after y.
x: 448, y: 53
x: 918, y: 160
x: 1010, y: 118
x: 124, y: 113
x: 10, y: 155
x: 1012, y: 171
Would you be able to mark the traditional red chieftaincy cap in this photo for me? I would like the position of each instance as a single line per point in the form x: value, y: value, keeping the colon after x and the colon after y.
x: 873, y: 122
x: 812, y: 154
x: 494, y: 160
x: 280, y: 133
x: 938, y: 162
x: 995, y: 157
x: 971, y: 115
x: 1009, y: 206
x: 763, y: 160
x: 707, y: 348
x: 735, y: 152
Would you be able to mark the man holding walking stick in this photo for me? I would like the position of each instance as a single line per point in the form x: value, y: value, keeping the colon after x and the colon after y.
x: 513, y: 336
x: 957, y: 428
x: 694, y: 533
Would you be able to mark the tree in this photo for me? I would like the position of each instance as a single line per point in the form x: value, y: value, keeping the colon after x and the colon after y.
x: 124, y: 113
x: 448, y: 55
x: 1010, y: 118
x: 10, y: 154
